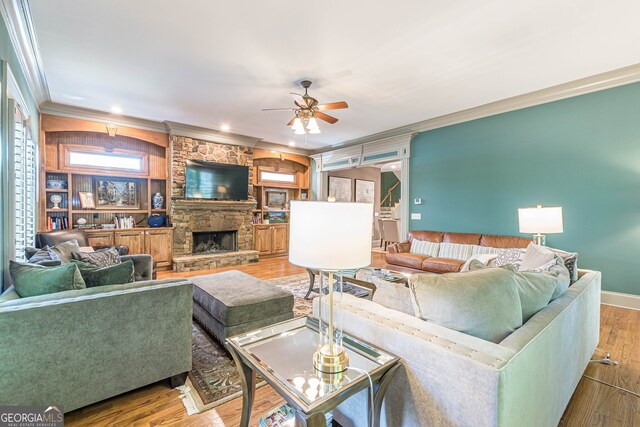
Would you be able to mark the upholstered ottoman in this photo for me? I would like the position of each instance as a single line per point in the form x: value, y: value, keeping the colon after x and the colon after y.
x: 233, y: 302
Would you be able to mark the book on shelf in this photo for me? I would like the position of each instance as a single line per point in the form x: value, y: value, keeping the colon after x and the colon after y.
x: 57, y: 223
x: 124, y: 222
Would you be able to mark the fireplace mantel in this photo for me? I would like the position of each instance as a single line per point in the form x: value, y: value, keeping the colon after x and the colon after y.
x: 179, y: 203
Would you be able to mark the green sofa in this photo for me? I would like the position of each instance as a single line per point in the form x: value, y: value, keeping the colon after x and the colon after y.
x: 75, y: 348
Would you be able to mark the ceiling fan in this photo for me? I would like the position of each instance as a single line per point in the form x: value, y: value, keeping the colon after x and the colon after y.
x: 306, y: 111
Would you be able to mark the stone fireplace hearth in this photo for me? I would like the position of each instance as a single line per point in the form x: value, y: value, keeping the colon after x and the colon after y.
x: 222, y: 229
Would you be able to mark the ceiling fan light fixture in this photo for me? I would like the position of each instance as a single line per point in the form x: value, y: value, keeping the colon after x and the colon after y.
x: 299, y: 131
x: 297, y: 125
x: 314, y: 130
x: 313, y: 124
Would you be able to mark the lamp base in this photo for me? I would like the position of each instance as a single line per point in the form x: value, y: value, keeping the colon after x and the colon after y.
x: 539, y: 239
x: 330, y: 363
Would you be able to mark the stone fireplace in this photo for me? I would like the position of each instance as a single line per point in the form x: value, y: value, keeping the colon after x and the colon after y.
x: 206, y: 242
x: 193, y: 250
x: 211, y: 233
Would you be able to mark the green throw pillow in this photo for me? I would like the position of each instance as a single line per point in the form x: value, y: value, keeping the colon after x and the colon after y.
x: 62, y: 251
x: 113, y: 275
x: 31, y: 279
x: 483, y: 303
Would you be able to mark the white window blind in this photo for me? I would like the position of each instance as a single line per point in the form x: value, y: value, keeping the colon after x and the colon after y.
x: 24, y: 174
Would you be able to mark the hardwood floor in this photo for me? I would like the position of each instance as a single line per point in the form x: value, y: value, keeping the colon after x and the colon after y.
x: 606, y: 396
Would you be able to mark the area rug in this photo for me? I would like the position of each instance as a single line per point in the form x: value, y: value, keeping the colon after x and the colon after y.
x: 213, y: 379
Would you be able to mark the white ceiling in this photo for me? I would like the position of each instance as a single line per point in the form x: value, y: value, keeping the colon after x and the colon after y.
x: 209, y: 63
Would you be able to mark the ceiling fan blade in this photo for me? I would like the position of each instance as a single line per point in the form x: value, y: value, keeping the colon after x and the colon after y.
x: 333, y: 106
x: 279, y: 109
x: 327, y: 118
x: 299, y: 100
x: 291, y: 121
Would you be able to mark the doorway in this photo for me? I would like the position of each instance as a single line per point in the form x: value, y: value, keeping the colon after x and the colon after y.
x: 379, y: 184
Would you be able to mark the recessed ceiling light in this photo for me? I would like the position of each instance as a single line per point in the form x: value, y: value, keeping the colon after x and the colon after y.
x: 116, y: 109
x: 225, y: 128
x: 393, y: 166
x: 292, y: 144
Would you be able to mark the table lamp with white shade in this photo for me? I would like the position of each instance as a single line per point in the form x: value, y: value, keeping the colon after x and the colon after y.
x: 540, y: 221
x: 330, y: 236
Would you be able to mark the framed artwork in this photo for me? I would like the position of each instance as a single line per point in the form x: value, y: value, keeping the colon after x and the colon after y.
x: 275, y: 199
x: 116, y: 194
x: 365, y: 191
x: 86, y: 200
x: 340, y: 188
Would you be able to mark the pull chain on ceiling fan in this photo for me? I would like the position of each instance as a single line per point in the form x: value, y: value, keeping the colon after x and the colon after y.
x: 307, y: 110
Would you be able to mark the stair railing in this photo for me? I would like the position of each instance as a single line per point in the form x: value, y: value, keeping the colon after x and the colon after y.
x: 388, y: 196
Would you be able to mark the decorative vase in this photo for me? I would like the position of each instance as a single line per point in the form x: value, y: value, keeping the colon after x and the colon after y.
x: 158, y: 201
x: 56, y: 199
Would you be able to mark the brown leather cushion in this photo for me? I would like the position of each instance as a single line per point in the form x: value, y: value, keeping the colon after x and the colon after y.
x: 504, y: 241
x: 442, y: 265
x: 405, y: 260
x: 426, y: 236
x: 462, y: 238
x: 53, y: 238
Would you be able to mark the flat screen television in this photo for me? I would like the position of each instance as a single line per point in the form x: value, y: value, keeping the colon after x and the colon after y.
x: 219, y: 181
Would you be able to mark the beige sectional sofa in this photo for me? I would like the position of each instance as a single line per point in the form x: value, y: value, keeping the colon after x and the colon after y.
x: 453, y: 379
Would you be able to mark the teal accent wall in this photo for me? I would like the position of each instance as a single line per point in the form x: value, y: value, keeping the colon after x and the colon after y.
x: 388, y: 180
x: 9, y: 58
x: 581, y: 153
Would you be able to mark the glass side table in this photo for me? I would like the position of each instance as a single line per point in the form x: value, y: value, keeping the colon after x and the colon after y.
x: 282, y: 355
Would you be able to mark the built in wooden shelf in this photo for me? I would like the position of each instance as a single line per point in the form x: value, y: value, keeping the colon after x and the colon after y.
x: 108, y: 211
x: 65, y: 210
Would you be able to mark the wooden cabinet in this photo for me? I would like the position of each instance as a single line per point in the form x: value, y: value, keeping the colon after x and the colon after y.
x: 262, y: 239
x: 271, y: 239
x: 133, y: 238
x: 157, y: 242
x: 280, y: 239
x: 100, y: 238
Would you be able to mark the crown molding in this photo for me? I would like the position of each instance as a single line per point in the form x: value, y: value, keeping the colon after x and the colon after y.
x: 602, y: 81
x: 56, y: 109
x: 17, y: 17
x: 282, y: 148
x: 211, y: 135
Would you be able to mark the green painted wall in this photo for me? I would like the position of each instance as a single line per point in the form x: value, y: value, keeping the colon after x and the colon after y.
x: 9, y: 56
x: 581, y: 153
x: 388, y: 180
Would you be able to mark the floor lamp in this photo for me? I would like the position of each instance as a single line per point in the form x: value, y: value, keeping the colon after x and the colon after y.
x: 330, y: 236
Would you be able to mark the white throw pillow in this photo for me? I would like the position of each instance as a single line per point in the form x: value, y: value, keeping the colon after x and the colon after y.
x: 455, y: 251
x: 485, y: 250
x: 537, y: 258
x: 511, y: 256
x: 422, y: 247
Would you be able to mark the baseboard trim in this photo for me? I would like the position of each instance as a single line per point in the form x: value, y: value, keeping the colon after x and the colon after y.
x: 619, y: 299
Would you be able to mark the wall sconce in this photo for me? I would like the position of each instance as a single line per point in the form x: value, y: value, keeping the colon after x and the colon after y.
x: 112, y: 130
